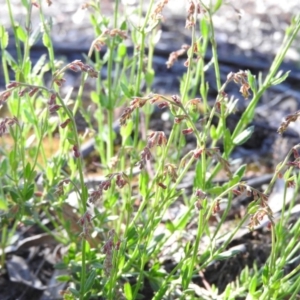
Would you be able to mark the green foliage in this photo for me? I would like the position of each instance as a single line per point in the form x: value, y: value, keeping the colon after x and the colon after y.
x: 118, y: 233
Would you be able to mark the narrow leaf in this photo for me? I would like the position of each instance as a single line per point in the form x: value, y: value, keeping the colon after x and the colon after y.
x: 243, y: 136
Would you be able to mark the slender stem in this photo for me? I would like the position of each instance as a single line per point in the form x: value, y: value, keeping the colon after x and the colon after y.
x: 14, y: 28
x: 83, y: 268
x: 140, y: 70
x: 200, y: 230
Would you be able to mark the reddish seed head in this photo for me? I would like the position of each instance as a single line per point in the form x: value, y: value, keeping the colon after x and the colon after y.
x: 74, y: 68
x: 35, y: 4
x: 216, y: 207
x: 12, y: 84
x: 176, y: 99
x: 187, y: 131
x: 65, y: 123
x: 237, y: 192
x: 197, y: 153
x: 76, y: 151
x: 4, y: 96
x: 163, y: 105
x: 22, y: 92
x: 32, y: 91
x: 162, y: 185
x: 54, y: 108
x: 200, y: 194
x: 38, y: 194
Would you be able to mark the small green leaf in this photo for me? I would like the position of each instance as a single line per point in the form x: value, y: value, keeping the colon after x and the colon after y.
x: 240, y: 171
x: 217, y: 190
x: 12, y: 159
x: 144, y: 181
x: 124, y: 25
x: 20, y: 76
x: 213, y: 132
x: 128, y: 291
x: 75, y: 292
x: 217, y: 5
x: 3, y: 204
x: 21, y: 34
x: 46, y: 40
x: 39, y: 65
x: 253, y: 285
x: 122, y: 50
x: 63, y: 278
x: 125, y: 89
x: 35, y: 36
x: 95, y: 97
x: 27, y: 68
x: 253, y: 207
x: 199, y: 180
x: 90, y: 281
x: 227, y: 141
x: 3, y: 167
x: 185, y: 280
x: 170, y: 226
x: 25, y: 3
x: 244, y: 136
x: 61, y: 266
x: 204, y: 28
x: 149, y: 77
x: 28, y: 192
x: 4, y: 37
x: 27, y: 171
x: 235, y: 179
x: 10, y: 60
x: 104, y: 100
x: 252, y: 82
x: 182, y: 222
x: 14, y: 195
x: 265, y: 275
x: 126, y: 130
x: 278, y: 79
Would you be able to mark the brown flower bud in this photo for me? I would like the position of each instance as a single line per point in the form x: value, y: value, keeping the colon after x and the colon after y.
x: 65, y: 123
x: 187, y: 131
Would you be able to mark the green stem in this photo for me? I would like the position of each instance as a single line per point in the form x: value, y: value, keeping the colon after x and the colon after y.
x: 14, y: 28
x: 140, y: 71
x: 47, y: 33
x: 200, y: 230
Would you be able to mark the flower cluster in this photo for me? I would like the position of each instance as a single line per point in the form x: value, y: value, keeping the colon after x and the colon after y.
x: 30, y: 90
x: 108, y: 249
x: 156, y: 15
x: 78, y: 65
x: 195, y: 105
x: 85, y: 221
x: 259, y: 197
x: 60, y: 187
x: 192, y: 9
x: 156, y: 138
x: 173, y: 57
x: 200, y: 195
x: 289, y: 119
x: 215, y: 153
x: 121, y: 180
x: 100, y: 42
x: 76, y: 151
x: 4, y: 96
x: 240, y: 78
x: 296, y: 162
x: 134, y: 104
x: 7, y: 122
x: 52, y: 105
